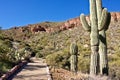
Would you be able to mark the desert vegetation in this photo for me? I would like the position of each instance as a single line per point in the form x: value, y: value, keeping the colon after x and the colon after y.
x: 12, y: 53
x: 57, y: 47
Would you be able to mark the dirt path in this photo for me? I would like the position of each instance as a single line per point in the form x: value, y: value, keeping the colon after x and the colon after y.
x: 36, y: 70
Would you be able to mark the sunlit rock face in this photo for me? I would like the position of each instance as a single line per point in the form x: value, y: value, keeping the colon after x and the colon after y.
x: 71, y: 23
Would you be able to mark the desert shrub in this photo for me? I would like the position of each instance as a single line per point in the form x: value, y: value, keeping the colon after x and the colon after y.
x: 114, y: 70
x: 61, y: 59
x: 53, y: 59
x: 66, y: 59
x: 5, y: 66
x: 58, y: 60
x: 83, y: 64
x: 114, y: 66
x: 39, y: 55
x: 9, y: 55
x: 4, y: 50
x: 5, y: 62
x: 83, y: 59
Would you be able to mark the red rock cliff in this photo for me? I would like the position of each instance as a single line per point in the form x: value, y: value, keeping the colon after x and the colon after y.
x: 75, y: 22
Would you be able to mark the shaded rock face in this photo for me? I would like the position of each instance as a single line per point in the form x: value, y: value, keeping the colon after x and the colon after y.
x: 31, y: 28
x: 37, y: 28
x: 75, y: 22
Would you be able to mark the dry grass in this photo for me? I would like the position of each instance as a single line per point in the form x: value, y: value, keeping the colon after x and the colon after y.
x: 62, y: 74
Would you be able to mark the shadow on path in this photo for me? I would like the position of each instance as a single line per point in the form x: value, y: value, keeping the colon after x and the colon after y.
x: 36, y: 70
x: 19, y: 70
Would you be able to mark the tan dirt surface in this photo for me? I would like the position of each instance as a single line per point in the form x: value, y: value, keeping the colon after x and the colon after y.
x: 35, y: 70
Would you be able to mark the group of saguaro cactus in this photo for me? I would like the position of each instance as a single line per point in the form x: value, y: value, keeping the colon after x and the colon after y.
x: 99, y: 22
x: 73, y: 59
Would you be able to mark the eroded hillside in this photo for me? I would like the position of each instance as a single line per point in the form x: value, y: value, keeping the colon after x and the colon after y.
x: 51, y: 40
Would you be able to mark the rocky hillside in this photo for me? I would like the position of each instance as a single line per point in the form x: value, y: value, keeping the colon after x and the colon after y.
x: 24, y: 33
x: 52, y: 26
x: 51, y: 40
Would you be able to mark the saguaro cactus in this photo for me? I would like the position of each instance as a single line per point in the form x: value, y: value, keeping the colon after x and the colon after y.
x: 98, y: 21
x: 102, y: 37
x: 73, y: 60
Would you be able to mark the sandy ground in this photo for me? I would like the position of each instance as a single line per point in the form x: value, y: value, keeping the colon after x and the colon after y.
x: 36, y: 70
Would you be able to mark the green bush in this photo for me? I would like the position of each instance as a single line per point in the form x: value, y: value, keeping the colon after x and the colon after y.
x: 5, y: 66
x: 53, y: 59
x: 114, y: 66
x: 83, y: 64
x: 58, y: 60
x: 39, y: 55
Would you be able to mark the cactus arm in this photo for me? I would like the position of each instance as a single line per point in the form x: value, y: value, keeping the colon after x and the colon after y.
x: 108, y: 21
x: 103, y: 20
x: 99, y: 10
x: 84, y: 23
x: 103, y: 23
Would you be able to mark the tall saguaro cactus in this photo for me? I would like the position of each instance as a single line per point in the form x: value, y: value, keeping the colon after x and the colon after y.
x: 102, y: 37
x: 99, y: 23
x: 73, y: 60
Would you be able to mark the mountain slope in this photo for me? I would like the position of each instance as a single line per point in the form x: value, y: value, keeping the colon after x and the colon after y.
x: 51, y: 40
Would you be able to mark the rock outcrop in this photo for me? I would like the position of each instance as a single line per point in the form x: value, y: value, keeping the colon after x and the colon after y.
x: 115, y: 16
x: 75, y: 22
x: 37, y: 28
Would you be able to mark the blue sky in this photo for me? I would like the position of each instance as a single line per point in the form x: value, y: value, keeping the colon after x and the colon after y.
x: 23, y: 12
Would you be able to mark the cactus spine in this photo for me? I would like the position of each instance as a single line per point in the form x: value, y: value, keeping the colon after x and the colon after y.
x: 98, y: 20
x: 73, y: 60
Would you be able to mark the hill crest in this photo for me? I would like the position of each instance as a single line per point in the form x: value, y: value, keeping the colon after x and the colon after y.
x: 60, y: 26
